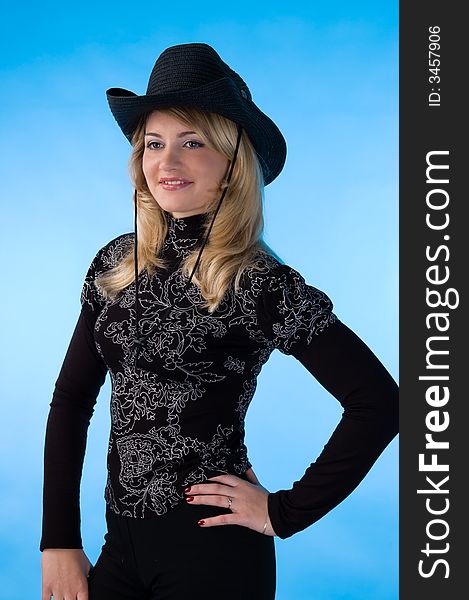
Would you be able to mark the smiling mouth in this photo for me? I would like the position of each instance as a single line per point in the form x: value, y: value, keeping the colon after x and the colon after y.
x: 174, y: 184
x: 174, y: 180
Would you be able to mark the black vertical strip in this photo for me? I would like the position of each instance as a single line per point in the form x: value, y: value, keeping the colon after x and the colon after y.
x: 434, y: 235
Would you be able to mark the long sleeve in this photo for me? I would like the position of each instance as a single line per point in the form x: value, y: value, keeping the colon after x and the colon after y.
x: 81, y: 376
x: 298, y: 318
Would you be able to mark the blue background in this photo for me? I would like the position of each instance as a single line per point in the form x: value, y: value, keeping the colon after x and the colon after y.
x: 326, y: 73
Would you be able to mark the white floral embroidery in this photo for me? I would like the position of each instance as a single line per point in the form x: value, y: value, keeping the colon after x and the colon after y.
x: 298, y: 311
x: 234, y: 364
x: 177, y: 414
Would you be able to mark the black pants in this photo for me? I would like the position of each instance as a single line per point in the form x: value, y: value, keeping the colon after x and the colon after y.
x: 170, y: 557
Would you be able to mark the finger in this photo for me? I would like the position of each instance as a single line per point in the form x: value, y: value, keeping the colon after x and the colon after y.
x: 211, y: 500
x: 226, y: 478
x: 46, y: 595
x: 210, y: 488
x: 83, y: 595
x: 229, y: 519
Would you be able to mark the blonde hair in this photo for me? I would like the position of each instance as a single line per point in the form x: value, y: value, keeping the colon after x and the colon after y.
x: 236, y: 233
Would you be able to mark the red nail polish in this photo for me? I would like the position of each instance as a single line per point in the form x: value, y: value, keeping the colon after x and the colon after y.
x: 201, y: 522
x: 187, y: 489
x: 190, y: 498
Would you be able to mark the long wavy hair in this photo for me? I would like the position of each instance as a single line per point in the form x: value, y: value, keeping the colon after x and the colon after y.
x: 236, y: 234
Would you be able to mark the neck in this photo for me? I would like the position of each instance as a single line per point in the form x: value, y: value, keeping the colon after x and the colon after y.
x: 185, y: 232
x: 186, y: 223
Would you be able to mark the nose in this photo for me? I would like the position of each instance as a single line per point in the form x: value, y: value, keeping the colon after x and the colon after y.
x: 170, y: 158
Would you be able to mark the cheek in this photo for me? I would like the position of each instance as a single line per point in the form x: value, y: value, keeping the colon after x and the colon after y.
x: 144, y: 164
x: 147, y: 165
x: 215, y: 167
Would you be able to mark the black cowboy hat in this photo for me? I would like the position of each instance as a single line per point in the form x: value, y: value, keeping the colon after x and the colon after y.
x: 194, y: 75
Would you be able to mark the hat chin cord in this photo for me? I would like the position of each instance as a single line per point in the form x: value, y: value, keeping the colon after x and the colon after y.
x: 140, y: 339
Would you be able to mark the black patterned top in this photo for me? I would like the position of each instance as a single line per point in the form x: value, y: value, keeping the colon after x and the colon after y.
x: 178, y: 410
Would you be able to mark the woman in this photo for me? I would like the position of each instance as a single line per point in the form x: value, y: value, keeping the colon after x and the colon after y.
x: 183, y: 313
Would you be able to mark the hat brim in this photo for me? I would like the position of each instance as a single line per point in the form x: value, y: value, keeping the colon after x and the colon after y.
x: 222, y: 97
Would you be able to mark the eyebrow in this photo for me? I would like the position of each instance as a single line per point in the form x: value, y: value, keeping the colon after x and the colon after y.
x: 182, y: 134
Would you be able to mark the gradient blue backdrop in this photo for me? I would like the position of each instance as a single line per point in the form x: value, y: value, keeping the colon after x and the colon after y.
x: 327, y: 75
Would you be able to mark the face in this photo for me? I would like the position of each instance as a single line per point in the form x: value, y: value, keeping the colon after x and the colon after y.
x: 174, y: 153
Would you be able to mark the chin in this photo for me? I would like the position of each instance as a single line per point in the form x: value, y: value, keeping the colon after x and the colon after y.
x: 179, y: 206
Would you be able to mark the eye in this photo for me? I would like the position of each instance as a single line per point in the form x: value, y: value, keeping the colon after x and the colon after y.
x: 192, y: 147
x: 198, y: 144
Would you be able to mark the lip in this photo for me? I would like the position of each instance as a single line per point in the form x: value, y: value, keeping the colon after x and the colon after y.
x: 172, y: 187
x: 175, y: 179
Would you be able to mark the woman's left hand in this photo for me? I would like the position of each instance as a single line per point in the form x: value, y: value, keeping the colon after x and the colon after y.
x: 248, y: 501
